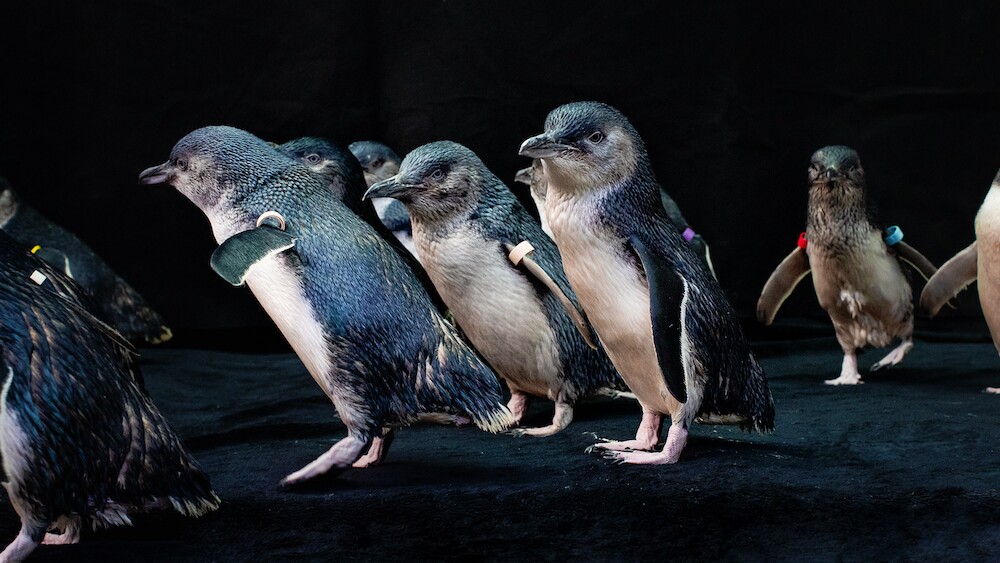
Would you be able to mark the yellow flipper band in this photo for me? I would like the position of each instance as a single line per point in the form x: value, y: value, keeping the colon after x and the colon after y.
x: 36, y: 248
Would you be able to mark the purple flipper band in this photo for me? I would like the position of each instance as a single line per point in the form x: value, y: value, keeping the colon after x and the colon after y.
x: 688, y: 234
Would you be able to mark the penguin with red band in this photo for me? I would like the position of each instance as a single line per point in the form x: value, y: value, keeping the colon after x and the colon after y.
x: 855, y: 265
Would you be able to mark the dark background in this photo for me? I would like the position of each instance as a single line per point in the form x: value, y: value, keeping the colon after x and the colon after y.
x: 730, y: 97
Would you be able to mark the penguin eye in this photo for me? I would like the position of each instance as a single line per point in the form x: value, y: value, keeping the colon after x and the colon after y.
x: 437, y: 175
x: 312, y: 158
x: 182, y: 164
x: 596, y: 137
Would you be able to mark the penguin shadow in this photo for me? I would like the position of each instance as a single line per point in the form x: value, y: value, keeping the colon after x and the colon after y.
x: 433, y: 475
x: 283, y: 432
x: 701, y: 447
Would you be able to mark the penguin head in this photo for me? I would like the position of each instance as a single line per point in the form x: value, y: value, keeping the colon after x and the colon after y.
x: 337, y: 167
x: 835, y: 165
x: 587, y: 145
x: 534, y: 177
x: 377, y: 160
x: 436, y: 180
x: 209, y: 164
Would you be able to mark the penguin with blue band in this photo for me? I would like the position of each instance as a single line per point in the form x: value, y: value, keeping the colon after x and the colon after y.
x: 855, y: 265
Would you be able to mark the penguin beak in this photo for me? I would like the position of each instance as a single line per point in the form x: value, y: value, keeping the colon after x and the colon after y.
x: 523, y: 176
x: 543, y: 146
x: 155, y: 174
x: 390, y: 187
x: 832, y: 174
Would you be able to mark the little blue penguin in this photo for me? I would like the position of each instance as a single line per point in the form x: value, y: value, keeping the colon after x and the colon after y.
x: 117, y: 302
x: 858, y: 280
x: 345, y: 179
x: 661, y: 316
x: 534, y: 177
x: 980, y: 260
x: 380, y: 162
x: 350, y: 308
x: 523, y: 318
x: 82, y: 442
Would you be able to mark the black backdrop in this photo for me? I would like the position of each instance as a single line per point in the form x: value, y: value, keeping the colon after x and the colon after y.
x: 731, y: 98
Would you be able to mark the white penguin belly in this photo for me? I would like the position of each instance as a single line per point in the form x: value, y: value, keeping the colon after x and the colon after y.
x: 616, y: 301
x: 865, y: 294
x: 495, y: 306
x: 14, y: 443
x: 988, y: 261
x: 279, y: 291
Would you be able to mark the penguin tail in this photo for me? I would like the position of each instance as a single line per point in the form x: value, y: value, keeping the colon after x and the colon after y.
x: 158, y: 467
x: 127, y: 311
x: 758, y: 404
x: 463, y: 383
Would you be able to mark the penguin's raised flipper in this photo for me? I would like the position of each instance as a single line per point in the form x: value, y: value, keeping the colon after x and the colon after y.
x: 915, y: 259
x: 666, y: 299
x: 519, y: 255
x: 954, y: 276
x: 780, y: 285
x: 240, y: 252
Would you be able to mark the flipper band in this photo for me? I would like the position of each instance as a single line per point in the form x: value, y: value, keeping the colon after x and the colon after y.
x: 803, y: 243
x: 893, y: 235
x: 272, y: 215
x: 688, y: 234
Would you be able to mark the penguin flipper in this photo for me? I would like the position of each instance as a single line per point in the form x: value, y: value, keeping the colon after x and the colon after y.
x: 240, y: 252
x: 666, y: 301
x: 780, y: 285
x: 578, y: 317
x: 954, y: 276
x: 915, y: 259
x: 55, y: 257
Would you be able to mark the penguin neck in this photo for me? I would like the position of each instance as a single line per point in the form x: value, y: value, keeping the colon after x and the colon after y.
x: 836, y: 211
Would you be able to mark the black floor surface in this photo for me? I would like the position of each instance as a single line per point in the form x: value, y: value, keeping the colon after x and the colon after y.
x: 904, y: 467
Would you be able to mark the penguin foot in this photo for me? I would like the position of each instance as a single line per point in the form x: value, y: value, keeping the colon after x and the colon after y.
x: 377, y: 451
x: 70, y: 527
x: 992, y: 390
x: 560, y: 420
x: 848, y: 372
x: 676, y: 439
x: 540, y: 431
x: 641, y: 458
x: 517, y: 405
x: 620, y: 446
x: 341, y: 456
x: 23, y: 544
x: 846, y: 379
x: 894, y: 357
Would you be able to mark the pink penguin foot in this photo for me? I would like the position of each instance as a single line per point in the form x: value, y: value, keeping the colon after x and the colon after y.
x: 676, y: 439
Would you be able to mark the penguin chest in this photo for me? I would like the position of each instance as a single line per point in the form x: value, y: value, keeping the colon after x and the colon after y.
x: 279, y: 290
x: 988, y: 261
x: 616, y: 299
x: 864, y: 292
x: 495, y: 305
x: 15, y: 445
